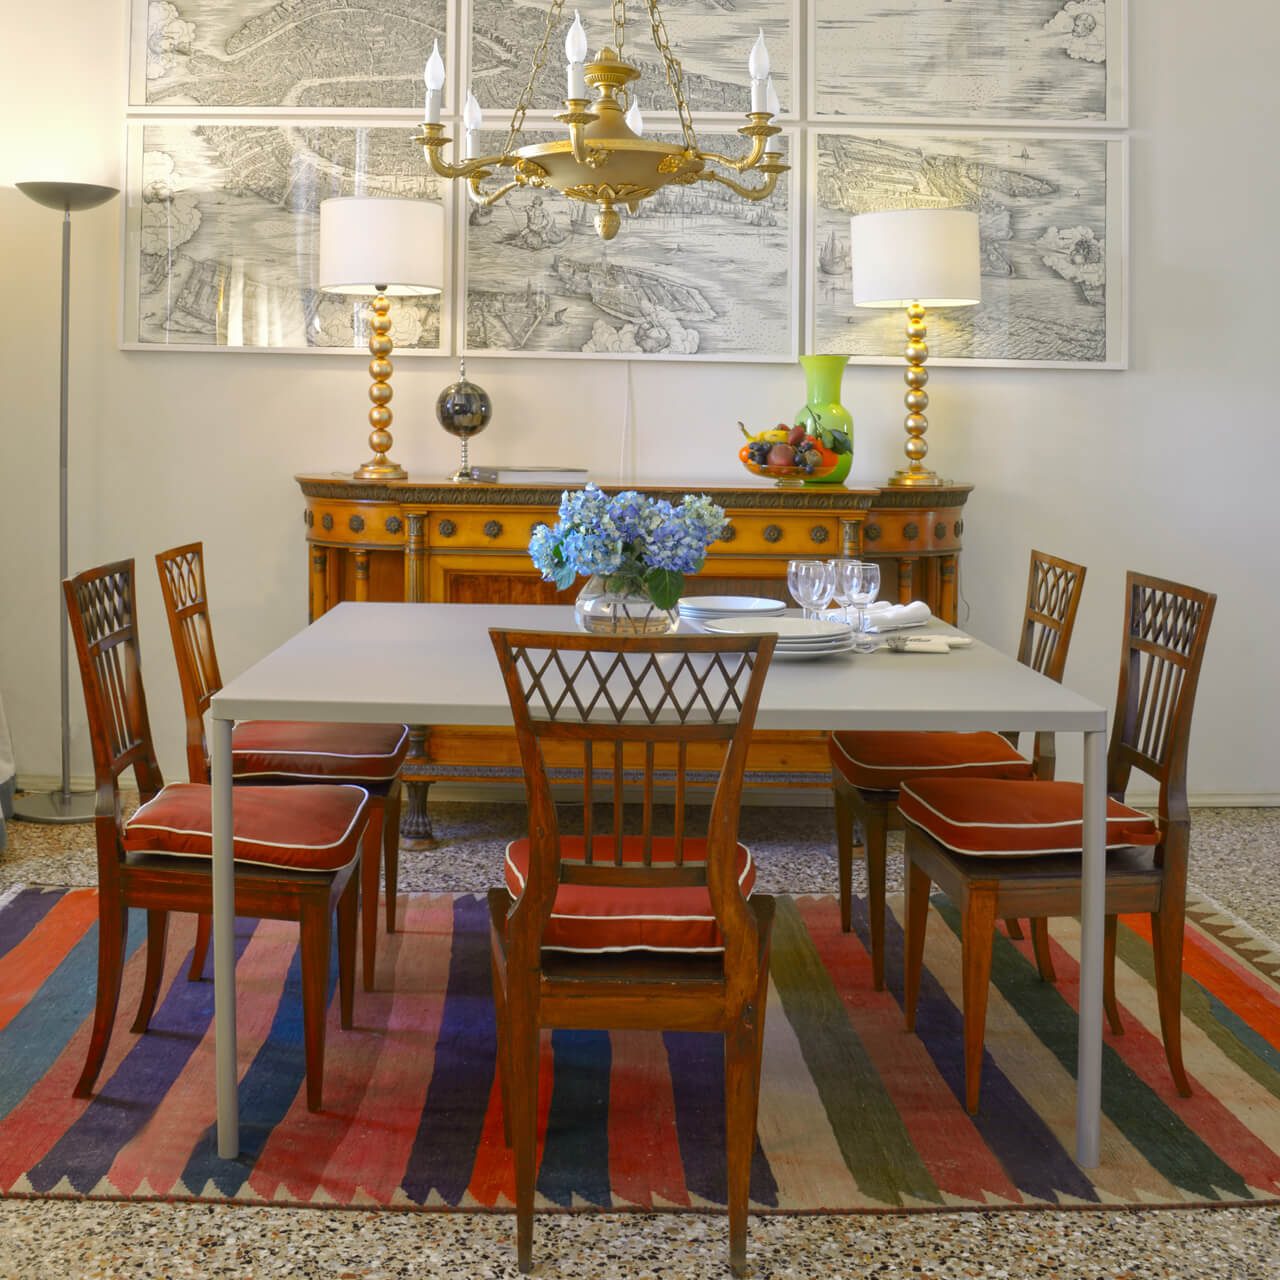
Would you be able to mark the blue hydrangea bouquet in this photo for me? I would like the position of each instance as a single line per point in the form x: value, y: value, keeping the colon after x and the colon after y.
x: 637, y: 545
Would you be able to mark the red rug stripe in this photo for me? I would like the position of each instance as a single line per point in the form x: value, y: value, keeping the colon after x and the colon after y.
x: 1245, y: 993
x: 904, y: 1065
x: 28, y: 965
x: 375, y: 1148
x: 161, y: 1151
x: 1208, y: 1118
x: 644, y: 1147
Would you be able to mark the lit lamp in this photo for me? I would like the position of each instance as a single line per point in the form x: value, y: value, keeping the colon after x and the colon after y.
x: 382, y: 248
x: 63, y: 805
x: 915, y: 259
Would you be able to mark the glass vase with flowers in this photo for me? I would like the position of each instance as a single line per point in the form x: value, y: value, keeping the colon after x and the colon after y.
x: 635, y: 551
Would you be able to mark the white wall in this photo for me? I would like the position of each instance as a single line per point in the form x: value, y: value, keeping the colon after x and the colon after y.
x: 1169, y: 467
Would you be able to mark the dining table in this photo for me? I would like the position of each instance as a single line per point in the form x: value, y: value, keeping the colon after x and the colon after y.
x: 435, y: 664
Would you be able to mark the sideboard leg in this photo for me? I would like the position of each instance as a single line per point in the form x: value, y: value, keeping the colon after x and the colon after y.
x: 416, y: 831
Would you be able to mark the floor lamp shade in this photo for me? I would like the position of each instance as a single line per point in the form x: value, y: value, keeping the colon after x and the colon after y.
x: 372, y: 244
x: 916, y: 259
x: 381, y: 247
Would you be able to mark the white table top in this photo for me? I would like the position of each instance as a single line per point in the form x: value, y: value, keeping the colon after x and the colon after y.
x: 434, y: 664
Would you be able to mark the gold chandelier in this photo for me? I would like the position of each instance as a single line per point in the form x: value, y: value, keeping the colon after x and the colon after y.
x: 606, y: 160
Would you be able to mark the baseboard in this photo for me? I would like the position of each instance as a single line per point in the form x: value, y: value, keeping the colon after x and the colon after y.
x: 800, y: 797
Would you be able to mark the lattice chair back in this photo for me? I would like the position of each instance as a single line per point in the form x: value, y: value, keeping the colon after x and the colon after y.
x: 1166, y: 627
x: 642, y: 703
x: 101, y: 609
x: 1054, y: 587
x: 186, y: 606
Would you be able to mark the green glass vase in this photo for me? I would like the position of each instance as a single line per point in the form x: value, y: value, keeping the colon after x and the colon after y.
x: 823, y: 375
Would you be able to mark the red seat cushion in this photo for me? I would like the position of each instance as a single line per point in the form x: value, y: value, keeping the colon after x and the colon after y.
x: 986, y: 818
x: 610, y: 918
x: 303, y: 828
x: 882, y: 760
x: 283, y: 749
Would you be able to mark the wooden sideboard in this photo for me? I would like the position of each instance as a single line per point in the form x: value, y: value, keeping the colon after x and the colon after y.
x: 435, y: 541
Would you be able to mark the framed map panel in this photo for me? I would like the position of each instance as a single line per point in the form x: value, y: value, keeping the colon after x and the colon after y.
x: 298, y: 54
x: 222, y: 235
x: 976, y: 62
x: 711, y: 38
x: 1053, y: 223
x: 697, y: 273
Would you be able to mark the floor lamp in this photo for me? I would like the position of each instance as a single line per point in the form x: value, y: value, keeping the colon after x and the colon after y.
x: 63, y: 805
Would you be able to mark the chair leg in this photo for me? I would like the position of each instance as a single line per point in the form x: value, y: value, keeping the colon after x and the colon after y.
x: 741, y: 1100
x: 370, y: 864
x: 314, y: 928
x: 200, y: 952
x: 504, y: 1052
x: 391, y: 853
x: 1013, y: 927
x: 113, y: 932
x: 522, y: 1088
x: 348, y: 910
x: 1109, y: 1002
x: 913, y: 951
x: 976, y: 935
x: 875, y: 834
x: 1166, y: 939
x: 844, y: 848
x: 1040, y: 942
x: 157, y: 936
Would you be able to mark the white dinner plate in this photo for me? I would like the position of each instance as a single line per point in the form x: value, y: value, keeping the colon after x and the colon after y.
x: 729, y: 606
x: 799, y: 655
x: 790, y: 628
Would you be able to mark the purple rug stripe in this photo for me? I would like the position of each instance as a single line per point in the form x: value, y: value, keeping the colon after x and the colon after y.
x: 575, y: 1156
x: 19, y: 916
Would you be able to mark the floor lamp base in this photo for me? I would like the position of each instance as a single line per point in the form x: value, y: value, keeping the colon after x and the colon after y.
x: 57, y: 807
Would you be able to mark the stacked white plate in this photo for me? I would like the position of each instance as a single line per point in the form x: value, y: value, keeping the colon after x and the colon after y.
x: 797, y: 637
x: 707, y: 608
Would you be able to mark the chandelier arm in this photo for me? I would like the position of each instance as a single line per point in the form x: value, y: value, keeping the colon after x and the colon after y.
x: 739, y: 166
x: 525, y: 100
x: 487, y: 198
x: 747, y: 193
x: 479, y: 166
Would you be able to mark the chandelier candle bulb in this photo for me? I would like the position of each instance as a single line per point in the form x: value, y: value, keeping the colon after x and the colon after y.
x: 758, y: 66
x: 433, y: 75
x: 635, y: 120
x: 473, y: 119
x: 772, y: 105
x: 575, y: 50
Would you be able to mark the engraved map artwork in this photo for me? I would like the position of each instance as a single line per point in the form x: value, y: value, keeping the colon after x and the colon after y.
x: 295, y: 53
x: 696, y: 271
x: 712, y: 39
x: 223, y: 229
x: 1048, y: 208
x: 1015, y: 61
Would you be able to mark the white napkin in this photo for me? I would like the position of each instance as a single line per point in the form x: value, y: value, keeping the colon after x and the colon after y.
x: 888, y: 617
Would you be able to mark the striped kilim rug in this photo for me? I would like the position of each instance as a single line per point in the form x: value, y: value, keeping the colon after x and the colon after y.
x: 855, y: 1113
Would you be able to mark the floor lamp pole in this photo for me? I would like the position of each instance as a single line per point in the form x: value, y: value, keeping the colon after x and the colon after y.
x: 63, y: 805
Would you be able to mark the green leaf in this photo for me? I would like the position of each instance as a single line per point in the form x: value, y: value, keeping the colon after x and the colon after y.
x: 665, y: 587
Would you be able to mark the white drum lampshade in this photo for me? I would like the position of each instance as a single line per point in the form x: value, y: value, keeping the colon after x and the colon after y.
x: 916, y: 259
x: 375, y: 244
x: 380, y: 247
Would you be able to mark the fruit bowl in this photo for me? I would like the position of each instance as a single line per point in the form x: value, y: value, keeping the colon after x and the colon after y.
x: 797, y: 455
x: 792, y: 477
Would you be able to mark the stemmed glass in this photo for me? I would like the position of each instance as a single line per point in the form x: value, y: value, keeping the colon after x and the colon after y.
x: 847, y: 579
x: 864, y: 592
x: 811, y: 583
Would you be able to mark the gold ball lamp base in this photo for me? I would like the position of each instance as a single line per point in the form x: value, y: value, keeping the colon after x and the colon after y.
x: 916, y: 400
x: 380, y: 466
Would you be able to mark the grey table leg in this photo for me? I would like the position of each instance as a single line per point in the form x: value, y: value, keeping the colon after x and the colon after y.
x: 1093, y: 908
x: 224, y: 955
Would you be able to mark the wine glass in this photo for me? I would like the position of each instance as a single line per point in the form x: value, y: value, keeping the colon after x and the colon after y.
x: 866, y: 590
x: 811, y: 583
x: 847, y: 576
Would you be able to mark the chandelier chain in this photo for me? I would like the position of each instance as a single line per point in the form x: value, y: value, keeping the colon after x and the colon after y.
x: 619, y: 24
x: 675, y: 75
x: 526, y: 94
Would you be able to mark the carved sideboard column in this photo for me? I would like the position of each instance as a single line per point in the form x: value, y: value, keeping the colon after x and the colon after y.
x: 415, y: 555
x: 362, y: 576
x: 318, y: 602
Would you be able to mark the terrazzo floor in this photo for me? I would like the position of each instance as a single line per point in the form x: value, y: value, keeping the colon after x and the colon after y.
x: 1235, y: 855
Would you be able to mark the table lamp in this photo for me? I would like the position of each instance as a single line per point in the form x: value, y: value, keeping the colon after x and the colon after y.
x: 63, y: 805
x: 383, y: 248
x: 915, y: 259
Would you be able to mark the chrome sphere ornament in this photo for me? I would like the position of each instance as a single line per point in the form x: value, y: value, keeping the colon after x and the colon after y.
x: 464, y: 410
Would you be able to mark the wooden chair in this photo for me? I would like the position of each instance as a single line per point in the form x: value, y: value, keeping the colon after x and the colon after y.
x: 1007, y: 858
x: 683, y: 944
x: 267, y: 752
x: 297, y: 848
x: 868, y: 768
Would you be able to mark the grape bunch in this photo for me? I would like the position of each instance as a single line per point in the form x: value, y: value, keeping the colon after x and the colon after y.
x: 758, y: 452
